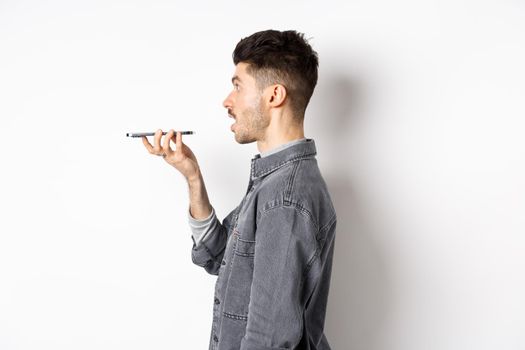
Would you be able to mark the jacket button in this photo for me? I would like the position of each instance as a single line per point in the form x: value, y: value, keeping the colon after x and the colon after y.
x: 217, y: 301
x: 215, y: 339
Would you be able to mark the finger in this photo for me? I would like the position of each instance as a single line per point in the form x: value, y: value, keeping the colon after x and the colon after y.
x: 156, y: 141
x: 146, y: 143
x: 166, y: 143
x: 178, y: 142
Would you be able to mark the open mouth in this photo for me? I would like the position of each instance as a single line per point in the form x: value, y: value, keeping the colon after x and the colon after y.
x: 234, y: 118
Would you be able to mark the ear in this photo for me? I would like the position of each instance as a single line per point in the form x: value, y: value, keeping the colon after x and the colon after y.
x: 277, y: 95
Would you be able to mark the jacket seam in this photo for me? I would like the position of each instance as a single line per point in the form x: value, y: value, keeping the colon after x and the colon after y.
x: 296, y: 205
x: 328, y: 224
x: 290, y: 183
x: 234, y: 316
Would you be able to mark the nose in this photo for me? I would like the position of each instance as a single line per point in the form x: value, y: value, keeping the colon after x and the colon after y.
x: 228, y: 103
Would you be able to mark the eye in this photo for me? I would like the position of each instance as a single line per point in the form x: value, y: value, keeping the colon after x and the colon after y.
x: 236, y: 86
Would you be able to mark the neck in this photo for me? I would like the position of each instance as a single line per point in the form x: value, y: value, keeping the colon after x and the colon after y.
x: 280, y: 131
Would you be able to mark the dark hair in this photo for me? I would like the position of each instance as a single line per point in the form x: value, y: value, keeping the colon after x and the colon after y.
x: 285, y: 58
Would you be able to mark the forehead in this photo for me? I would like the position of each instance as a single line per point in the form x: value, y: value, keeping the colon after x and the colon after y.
x: 241, y: 73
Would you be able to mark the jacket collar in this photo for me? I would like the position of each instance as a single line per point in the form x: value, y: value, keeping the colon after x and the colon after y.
x: 262, y: 166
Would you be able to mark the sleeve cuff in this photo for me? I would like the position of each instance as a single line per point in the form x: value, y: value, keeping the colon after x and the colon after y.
x: 202, y: 222
x: 201, y: 228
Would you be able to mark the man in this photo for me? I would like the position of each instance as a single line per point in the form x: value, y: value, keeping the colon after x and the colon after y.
x: 273, y: 253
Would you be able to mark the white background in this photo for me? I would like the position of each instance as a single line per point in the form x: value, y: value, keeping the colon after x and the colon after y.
x: 418, y: 121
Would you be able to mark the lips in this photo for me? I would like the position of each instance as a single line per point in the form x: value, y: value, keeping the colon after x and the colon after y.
x: 234, y: 118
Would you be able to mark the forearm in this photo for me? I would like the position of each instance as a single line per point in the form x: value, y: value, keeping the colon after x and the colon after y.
x: 208, y: 253
x: 200, y: 207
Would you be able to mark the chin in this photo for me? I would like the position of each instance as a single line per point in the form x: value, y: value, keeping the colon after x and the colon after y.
x: 243, y: 139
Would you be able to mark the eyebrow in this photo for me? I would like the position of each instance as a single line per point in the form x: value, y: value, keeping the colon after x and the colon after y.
x: 236, y: 78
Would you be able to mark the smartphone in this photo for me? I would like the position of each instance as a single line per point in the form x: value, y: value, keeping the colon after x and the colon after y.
x: 140, y: 134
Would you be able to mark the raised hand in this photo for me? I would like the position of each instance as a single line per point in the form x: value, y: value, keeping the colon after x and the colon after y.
x: 182, y: 158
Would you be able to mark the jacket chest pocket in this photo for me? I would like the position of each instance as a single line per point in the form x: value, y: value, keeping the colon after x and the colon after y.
x: 237, y: 295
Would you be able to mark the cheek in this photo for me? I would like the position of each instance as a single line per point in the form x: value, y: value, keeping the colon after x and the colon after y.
x: 247, y: 99
x: 242, y: 101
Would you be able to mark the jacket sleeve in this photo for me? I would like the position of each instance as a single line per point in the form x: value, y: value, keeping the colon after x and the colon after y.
x: 208, y: 253
x: 285, y: 247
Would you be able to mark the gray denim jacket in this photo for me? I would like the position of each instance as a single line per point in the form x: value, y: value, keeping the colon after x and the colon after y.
x: 273, y: 257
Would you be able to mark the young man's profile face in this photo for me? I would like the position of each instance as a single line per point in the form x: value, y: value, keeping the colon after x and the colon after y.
x: 245, y: 105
